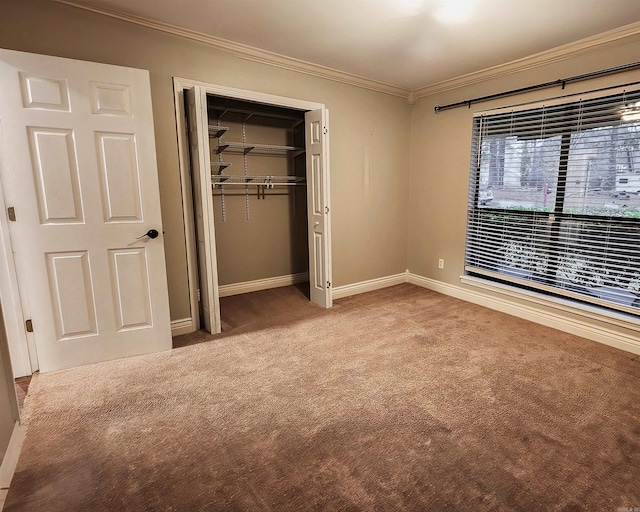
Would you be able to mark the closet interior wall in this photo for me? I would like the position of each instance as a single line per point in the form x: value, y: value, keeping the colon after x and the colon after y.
x: 259, y: 193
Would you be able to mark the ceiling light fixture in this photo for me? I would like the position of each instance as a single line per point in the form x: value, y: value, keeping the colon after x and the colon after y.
x: 453, y: 11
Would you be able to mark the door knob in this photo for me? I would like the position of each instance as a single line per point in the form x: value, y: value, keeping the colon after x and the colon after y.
x: 316, y: 224
x: 152, y: 233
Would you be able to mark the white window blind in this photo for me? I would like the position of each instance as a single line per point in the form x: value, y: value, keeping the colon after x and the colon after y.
x: 554, y: 199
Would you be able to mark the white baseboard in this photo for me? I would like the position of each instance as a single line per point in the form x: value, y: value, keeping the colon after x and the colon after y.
x: 182, y: 326
x: 347, y: 290
x: 536, y: 309
x: 262, y: 284
x: 537, y: 313
x: 10, y: 460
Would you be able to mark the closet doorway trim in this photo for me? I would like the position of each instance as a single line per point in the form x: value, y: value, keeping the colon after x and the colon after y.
x: 179, y: 86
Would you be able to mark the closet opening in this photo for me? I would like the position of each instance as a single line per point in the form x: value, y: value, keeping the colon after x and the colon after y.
x: 258, y: 194
x: 258, y: 174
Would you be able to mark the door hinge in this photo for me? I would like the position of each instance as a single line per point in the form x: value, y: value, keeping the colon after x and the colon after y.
x: 29, y: 325
x: 11, y: 212
x: 324, y: 130
x: 328, y: 284
x: 198, y: 295
x: 326, y: 209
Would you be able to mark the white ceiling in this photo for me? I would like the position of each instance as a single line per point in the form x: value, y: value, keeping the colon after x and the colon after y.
x: 405, y: 43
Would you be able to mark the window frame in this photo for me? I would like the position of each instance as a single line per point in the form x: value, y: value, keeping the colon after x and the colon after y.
x: 557, y: 218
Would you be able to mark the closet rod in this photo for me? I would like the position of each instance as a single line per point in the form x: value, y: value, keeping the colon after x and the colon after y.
x: 222, y: 178
x: 258, y: 184
x: 546, y: 85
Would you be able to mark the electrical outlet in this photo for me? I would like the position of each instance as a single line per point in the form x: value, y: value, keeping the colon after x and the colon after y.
x: 440, y: 263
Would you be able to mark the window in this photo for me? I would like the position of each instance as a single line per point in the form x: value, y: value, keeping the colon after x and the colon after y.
x: 554, y: 199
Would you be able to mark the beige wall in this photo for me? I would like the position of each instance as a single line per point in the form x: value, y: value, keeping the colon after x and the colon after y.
x: 440, y: 155
x: 8, y: 403
x: 385, y: 218
x: 369, y: 215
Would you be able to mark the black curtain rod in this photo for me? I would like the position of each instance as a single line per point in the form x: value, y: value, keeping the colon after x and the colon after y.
x: 546, y: 85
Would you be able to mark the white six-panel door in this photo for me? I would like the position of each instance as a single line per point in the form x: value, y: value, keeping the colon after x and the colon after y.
x: 318, y: 207
x: 81, y: 174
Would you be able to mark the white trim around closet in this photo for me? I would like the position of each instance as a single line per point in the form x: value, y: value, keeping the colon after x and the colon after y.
x: 179, y: 86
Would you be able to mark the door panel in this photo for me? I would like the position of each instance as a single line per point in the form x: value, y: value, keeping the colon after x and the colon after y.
x: 81, y: 173
x: 72, y: 295
x: 130, y: 288
x: 111, y: 99
x: 318, y: 207
x: 44, y: 93
x: 316, y: 183
x: 120, y: 177
x: 318, y: 250
x: 53, y: 156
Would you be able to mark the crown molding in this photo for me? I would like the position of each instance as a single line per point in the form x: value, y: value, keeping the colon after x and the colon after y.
x: 259, y: 55
x: 557, y: 54
x: 252, y: 53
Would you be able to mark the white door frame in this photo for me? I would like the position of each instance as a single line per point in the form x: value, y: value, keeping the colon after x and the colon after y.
x: 179, y: 85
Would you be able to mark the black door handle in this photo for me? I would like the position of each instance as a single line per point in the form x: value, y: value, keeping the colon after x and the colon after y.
x: 152, y: 233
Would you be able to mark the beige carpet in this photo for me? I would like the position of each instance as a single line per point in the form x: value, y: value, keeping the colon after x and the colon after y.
x: 398, y: 400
